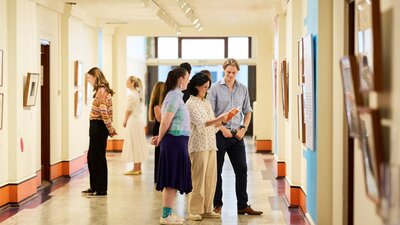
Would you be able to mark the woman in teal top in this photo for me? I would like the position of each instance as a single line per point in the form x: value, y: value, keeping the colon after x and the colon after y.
x: 174, y: 166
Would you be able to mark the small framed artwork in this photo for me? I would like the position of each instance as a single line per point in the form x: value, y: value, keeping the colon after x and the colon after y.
x: 300, y: 62
x: 78, y: 103
x: 300, y: 119
x: 301, y: 116
x: 285, y: 88
x: 1, y: 67
x: 78, y: 73
x: 274, y: 86
x: 366, y: 74
x: 352, y: 98
x: 1, y: 110
x: 371, y: 146
x: 368, y: 45
x: 88, y: 90
x: 31, y: 89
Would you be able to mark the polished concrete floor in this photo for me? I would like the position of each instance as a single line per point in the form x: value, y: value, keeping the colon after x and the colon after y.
x: 133, y: 199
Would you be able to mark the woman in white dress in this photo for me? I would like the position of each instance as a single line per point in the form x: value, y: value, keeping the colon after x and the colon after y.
x: 135, y: 143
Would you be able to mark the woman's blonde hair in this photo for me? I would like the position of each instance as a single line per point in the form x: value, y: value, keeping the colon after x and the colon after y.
x: 137, y: 85
x: 101, y: 81
x: 156, y: 98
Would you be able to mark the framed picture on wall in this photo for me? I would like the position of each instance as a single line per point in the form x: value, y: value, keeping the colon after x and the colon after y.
x: 274, y: 84
x: 368, y: 45
x: 365, y: 74
x: 88, y: 90
x: 372, y: 150
x: 352, y: 98
x: 31, y: 89
x: 78, y: 103
x: 78, y: 73
x: 1, y: 110
x: 303, y: 122
x: 300, y: 62
x: 285, y: 88
x: 1, y: 67
x: 298, y: 117
x: 308, y: 88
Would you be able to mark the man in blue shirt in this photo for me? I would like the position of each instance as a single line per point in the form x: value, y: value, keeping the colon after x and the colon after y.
x: 224, y: 95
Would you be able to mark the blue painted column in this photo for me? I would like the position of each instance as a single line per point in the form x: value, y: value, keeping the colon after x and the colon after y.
x: 311, y: 156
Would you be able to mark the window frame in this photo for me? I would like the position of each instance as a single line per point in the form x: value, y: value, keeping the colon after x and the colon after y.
x: 226, y: 42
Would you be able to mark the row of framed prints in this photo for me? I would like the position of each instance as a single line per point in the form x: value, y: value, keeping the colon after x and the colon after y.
x: 305, y: 97
x: 362, y: 74
x: 363, y: 122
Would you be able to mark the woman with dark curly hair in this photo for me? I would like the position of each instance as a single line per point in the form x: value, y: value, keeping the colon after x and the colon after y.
x: 202, y: 148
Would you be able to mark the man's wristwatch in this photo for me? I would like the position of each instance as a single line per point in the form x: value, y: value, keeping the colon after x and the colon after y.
x: 243, y: 127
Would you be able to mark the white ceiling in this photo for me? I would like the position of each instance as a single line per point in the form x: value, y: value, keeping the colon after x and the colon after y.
x: 212, y: 13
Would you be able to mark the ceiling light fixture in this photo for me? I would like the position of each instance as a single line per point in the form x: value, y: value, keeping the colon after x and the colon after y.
x: 166, y: 18
x: 190, y: 14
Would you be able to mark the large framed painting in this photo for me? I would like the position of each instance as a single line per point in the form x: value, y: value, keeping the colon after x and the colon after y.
x: 352, y: 98
x: 372, y: 150
x: 368, y: 45
x: 31, y: 89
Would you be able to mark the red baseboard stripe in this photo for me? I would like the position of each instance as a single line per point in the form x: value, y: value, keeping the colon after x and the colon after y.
x: 279, y: 169
x: 38, y: 178
x: 263, y: 145
x: 23, y: 190
x: 71, y: 167
x: 295, y: 196
x: 15, y: 193
x: 115, y: 145
x: 4, y: 195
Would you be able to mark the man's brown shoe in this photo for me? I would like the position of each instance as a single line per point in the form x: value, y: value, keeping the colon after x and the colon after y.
x: 217, y: 209
x: 248, y: 210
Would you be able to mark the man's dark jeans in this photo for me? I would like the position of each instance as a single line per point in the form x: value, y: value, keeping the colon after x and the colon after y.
x: 237, y: 155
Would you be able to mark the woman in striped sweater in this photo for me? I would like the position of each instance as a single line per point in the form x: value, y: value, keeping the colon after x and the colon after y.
x: 101, y: 117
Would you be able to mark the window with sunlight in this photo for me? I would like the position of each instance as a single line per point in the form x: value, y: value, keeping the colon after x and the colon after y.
x: 167, y: 48
x: 238, y: 47
x: 203, y: 48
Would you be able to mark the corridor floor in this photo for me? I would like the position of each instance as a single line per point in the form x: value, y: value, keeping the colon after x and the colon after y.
x: 133, y: 199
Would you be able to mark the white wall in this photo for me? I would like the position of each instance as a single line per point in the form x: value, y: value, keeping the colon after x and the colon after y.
x: 4, y: 133
x: 136, y: 49
x: 83, y: 46
x: 290, y: 147
x: 338, y: 115
x: 281, y: 121
x: 288, y: 121
x: 23, y: 23
x: 27, y: 119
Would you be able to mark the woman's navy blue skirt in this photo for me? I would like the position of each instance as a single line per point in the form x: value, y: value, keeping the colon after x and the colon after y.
x: 174, y: 165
